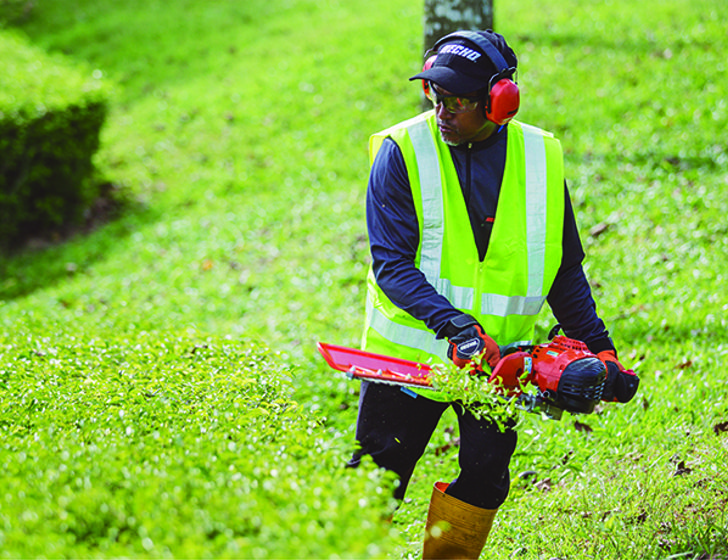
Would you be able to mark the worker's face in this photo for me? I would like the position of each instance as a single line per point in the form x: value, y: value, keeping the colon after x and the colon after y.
x: 461, y: 128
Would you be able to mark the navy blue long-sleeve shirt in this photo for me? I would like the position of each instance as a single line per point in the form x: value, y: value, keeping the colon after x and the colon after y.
x: 394, y: 238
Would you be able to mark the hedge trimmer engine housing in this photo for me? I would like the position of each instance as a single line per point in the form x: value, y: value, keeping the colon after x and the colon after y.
x: 567, y: 374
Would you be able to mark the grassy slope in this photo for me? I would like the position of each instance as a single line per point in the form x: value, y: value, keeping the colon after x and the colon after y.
x: 241, y: 129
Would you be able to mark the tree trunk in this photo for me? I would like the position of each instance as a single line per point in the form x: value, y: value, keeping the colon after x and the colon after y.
x: 445, y: 16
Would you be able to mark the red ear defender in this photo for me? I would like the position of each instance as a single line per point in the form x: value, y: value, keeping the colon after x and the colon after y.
x: 428, y: 64
x: 504, y: 101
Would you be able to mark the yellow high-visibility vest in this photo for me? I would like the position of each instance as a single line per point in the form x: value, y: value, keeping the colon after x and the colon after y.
x: 506, y: 291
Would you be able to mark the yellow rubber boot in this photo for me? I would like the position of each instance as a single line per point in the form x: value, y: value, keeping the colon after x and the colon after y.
x: 454, y: 529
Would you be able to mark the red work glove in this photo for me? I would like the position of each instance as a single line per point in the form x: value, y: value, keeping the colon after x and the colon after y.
x: 621, y: 384
x: 468, y: 340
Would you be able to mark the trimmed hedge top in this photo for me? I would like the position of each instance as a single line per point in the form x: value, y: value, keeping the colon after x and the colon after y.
x: 51, y: 114
x: 33, y: 82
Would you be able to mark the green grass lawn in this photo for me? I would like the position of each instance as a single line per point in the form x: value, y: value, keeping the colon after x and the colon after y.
x: 160, y: 390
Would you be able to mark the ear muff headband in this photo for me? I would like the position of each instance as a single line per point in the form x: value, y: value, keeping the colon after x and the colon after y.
x: 503, y: 97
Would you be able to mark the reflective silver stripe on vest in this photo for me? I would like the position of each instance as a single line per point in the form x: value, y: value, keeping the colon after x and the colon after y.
x: 406, y: 336
x: 536, y: 207
x: 433, y: 232
x: 502, y: 306
x: 431, y: 187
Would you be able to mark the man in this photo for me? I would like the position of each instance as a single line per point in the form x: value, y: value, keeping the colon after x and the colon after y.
x: 471, y: 230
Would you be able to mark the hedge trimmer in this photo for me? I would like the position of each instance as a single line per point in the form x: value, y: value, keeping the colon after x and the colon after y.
x: 546, y: 378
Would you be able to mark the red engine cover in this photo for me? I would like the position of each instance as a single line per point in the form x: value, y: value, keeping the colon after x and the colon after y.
x: 550, y: 360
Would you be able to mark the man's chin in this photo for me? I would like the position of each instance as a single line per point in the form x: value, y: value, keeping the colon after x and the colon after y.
x: 449, y: 140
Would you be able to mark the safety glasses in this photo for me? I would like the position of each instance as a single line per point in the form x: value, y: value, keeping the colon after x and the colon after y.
x: 453, y: 103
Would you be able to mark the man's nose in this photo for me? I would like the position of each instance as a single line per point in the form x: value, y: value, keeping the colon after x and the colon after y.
x: 441, y: 112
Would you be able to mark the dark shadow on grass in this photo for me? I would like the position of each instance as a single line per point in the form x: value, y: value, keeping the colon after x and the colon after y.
x: 39, y: 262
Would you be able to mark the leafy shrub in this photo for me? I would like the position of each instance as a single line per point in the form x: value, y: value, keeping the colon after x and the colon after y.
x: 51, y: 114
x: 167, y: 446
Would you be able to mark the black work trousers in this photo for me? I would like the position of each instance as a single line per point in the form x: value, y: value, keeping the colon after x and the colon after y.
x: 394, y: 427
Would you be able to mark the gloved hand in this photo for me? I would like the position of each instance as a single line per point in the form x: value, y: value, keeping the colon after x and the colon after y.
x: 621, y: 384
x: 468, y: 340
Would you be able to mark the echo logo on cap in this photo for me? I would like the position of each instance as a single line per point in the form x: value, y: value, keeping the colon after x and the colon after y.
x: 460, y: 50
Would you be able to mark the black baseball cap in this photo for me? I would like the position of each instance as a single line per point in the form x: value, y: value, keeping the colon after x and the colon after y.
x: 462, y: 66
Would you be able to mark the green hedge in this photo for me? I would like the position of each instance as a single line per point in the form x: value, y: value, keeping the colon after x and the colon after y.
x: 166, y: 446
x: 51, y: 114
